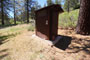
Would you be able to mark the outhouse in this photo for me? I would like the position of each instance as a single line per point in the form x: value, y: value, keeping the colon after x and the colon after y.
x: 47, y: 21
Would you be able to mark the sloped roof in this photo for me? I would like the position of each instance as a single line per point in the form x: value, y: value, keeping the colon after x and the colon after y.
x: 54, y: 7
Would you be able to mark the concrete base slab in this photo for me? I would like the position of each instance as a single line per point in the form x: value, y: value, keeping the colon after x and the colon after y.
x: 52, y: 43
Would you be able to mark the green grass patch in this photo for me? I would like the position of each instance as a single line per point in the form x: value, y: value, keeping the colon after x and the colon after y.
x: 31, y: 28
x: 4, y: 37
x: 11, y: 31
x: 15, y: 29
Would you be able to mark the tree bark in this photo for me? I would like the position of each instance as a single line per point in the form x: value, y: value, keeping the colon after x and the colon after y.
x: 27, y: 11
x: 14, y: 13
x: 2, y: 11
x: 83, y: 26
x: 68, y: 6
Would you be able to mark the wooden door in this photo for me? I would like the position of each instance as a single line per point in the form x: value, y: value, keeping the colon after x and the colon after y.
x: 53, y: 25
x: 42, y: 24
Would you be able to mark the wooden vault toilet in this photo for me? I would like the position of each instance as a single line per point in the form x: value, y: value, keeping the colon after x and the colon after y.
x: 47, y: 22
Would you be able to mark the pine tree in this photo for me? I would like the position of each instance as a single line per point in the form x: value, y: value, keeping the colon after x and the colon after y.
x: 14, y: 12
x: 29, y: 4
x: 2, y: 11
x: 27, y: 11
x: 83, y: 26
x: 5, y: 7
x: 71, y: 4
x: 36, y: 6
x: 58, y: 2
x: 49, y: 2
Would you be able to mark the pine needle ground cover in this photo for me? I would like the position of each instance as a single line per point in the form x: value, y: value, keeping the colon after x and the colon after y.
x: 18, y: 44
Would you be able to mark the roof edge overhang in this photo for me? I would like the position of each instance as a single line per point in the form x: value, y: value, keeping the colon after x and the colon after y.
x: 54, y: 6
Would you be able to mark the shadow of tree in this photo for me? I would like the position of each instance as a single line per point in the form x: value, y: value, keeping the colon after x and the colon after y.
x: 78, y: 49
x: 3, y: 53
x: 84, y: 46
x: 64, y: 42
x: 5, y: 37
x: 4, y: 26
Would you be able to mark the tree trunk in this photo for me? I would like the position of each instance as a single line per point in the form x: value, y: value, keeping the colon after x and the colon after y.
x: 14, y: 13
x: 83, y: 26
x: 2, y: 11
x: 27, y: 11
x: 68, y: 6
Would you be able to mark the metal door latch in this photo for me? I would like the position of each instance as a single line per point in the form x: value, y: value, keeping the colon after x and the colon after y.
x: 46, y: 22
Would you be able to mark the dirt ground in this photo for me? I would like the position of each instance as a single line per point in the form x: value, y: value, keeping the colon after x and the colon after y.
x: 25, y: 46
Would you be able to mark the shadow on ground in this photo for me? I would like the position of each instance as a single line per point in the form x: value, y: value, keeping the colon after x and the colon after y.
x: 64, y: 42
x: 4, y: 38
x: 5, y: 26
x: 3, y: 53
x: 67, y: 42
x: 84, y: 45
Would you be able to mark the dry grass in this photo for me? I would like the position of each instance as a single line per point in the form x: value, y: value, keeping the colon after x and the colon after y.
x: 25, y: 47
